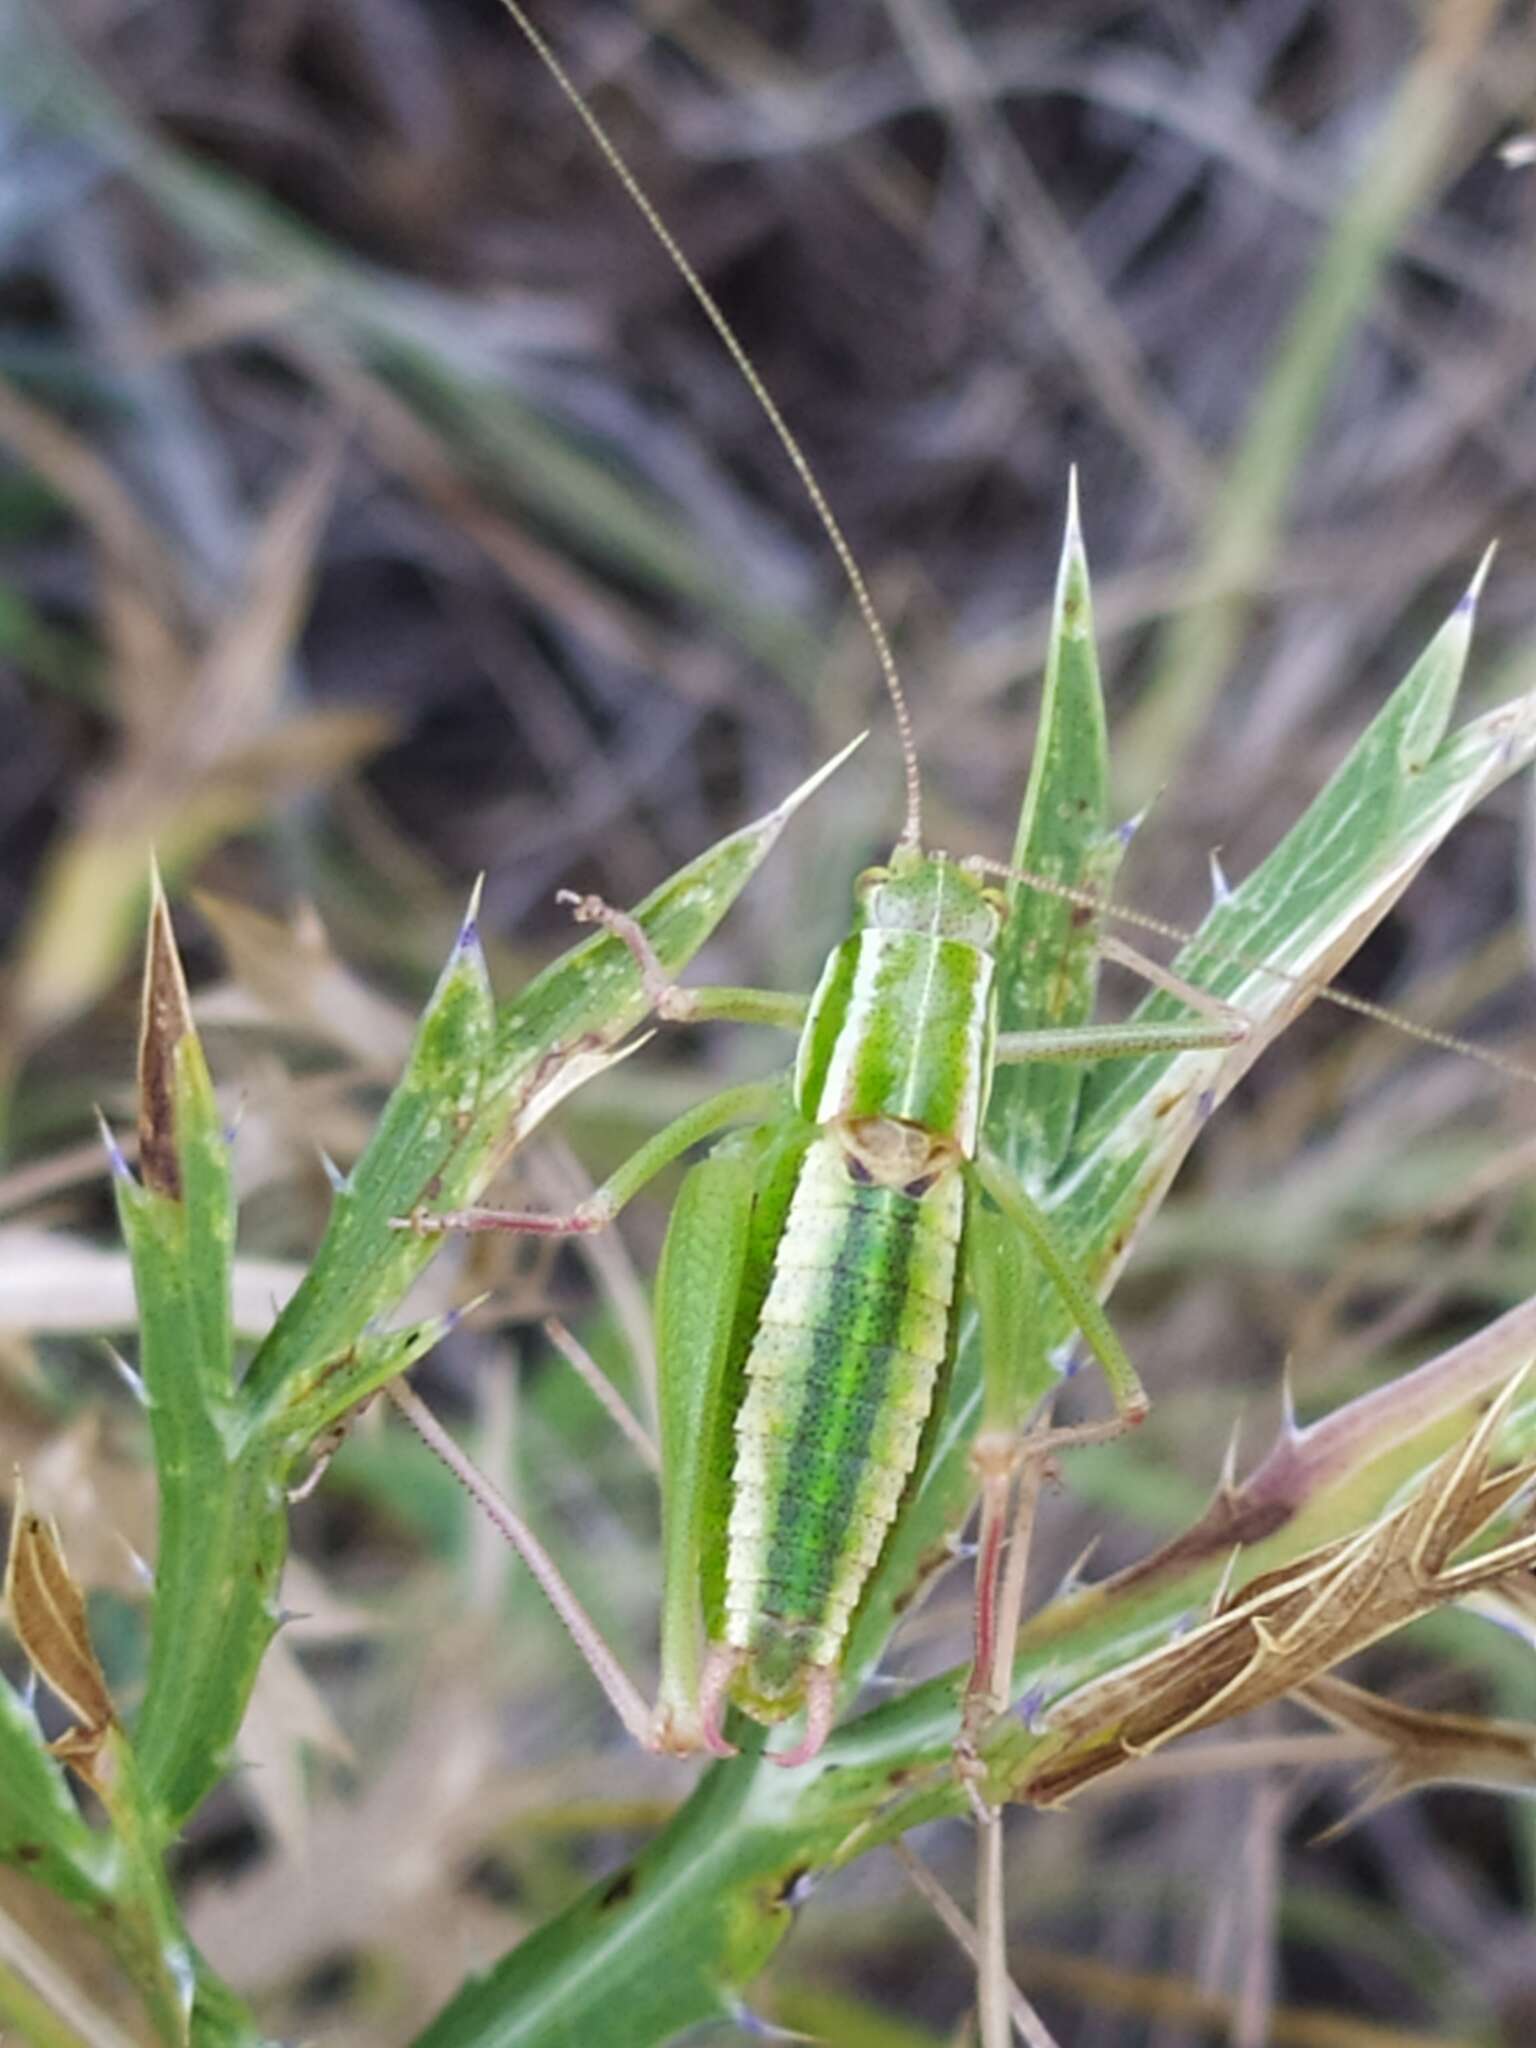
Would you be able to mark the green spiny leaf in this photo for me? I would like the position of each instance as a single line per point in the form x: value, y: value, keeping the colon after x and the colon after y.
x: 220, y: 1537
x: 1047, y: 960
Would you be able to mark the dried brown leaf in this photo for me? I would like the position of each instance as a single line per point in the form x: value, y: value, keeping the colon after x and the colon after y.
x: 242, y: 667
x: 47, y: 1611
x: 165, y: 1021
x: 149, y: 664
x: 1511, y: 1605
x: 1423, y: 1748
x: 127, y: 540
x: 1284, y: 1630
x: 298, y: 754
x: 202, y: 753
x: 289, y: 967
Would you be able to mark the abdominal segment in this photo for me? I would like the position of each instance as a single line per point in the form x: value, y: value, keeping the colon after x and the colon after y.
x: 840, y: 1379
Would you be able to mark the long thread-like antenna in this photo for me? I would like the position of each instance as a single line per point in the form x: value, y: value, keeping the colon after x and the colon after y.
x: 1341, y: 998
x: 912, y: 830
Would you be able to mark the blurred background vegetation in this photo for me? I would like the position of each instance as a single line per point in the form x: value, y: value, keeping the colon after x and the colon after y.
x: 376, y: 509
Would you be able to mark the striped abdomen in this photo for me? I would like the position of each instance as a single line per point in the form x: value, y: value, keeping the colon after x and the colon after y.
x: 841, y: 1376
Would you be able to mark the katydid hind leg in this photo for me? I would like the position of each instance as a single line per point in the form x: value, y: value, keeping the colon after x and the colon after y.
x: 1016, y: 1377
x: 623, y: 1695
x: 1012, y: 1452
x: 698, y: 1286
x: 698, y: 1290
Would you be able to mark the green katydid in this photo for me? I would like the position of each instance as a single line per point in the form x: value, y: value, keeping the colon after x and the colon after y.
x: 810, y: 1288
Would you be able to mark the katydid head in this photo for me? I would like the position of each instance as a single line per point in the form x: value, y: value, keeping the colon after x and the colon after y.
x: 930, y: 895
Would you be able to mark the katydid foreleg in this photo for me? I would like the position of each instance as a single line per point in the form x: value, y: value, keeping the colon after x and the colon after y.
x: 673, y: 1001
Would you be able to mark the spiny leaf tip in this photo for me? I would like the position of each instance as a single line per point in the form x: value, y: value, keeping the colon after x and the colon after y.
x: 166, y: 1020
x: 117, y: 1159
x: 469, y: 930
x: 1474, y: 589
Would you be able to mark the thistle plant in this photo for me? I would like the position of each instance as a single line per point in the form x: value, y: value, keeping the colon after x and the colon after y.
x: 1407, y: 1499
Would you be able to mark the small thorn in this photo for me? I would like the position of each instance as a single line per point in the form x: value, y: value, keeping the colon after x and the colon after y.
x: 1073, y: 538
x: 812, y: 783
x: 1474, y: 589
x: 1221, y: 888
x: 469, y: 931
x: 1031, y: 1708
x: 116, y: 1157
x: 29, y: 1690
x: 333, y: 1172
x: 1126, y: 831
x: 802, y: 1888
x: 1227, y: 1483
x: 760, y: 2029
x: 141, y: 1568
x: 286, y: 1616
x: 1224, y: 1583
x: 820, y: 1712
x: 451, y: 1318
x: 884, y: 1681
x: 125, y: 1372
x: 1290, y: 1428
x: 232, y: 1128
x: 1075, y: 1574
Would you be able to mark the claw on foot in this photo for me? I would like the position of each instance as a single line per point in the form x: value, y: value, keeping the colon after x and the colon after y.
x: 720, y: 1667
x: 820, y: 1709
x: 583, y: 909
x: 664, y: 996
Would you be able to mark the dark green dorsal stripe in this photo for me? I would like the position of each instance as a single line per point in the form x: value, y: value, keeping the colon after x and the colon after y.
x: 852, y: 1365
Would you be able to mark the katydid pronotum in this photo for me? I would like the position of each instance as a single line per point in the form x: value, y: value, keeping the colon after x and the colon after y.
x: 809, y: 1293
